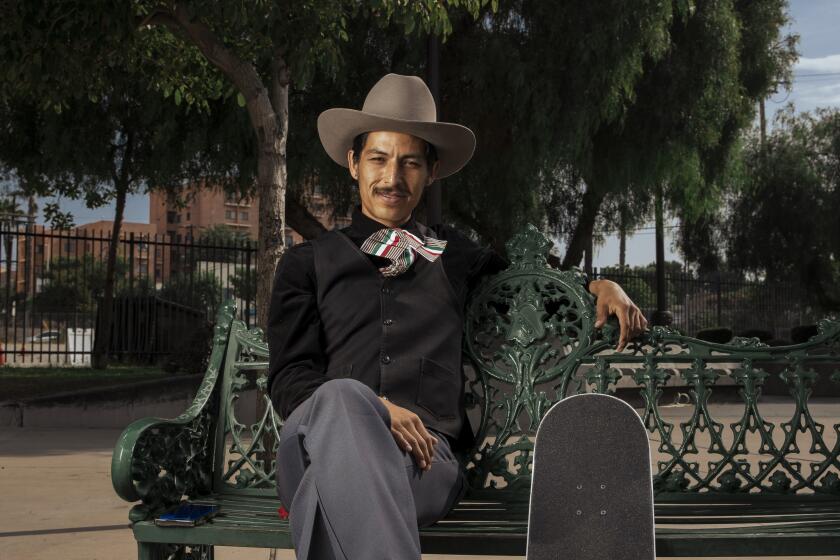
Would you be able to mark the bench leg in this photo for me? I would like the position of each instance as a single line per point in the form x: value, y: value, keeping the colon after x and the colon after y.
x: 158, y: 551
x: 151, y: 551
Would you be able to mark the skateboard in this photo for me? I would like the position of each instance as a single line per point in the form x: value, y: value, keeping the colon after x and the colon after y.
x: 591, y: 491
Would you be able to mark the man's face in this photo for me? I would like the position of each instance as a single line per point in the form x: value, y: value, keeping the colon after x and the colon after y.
x: 392, y: 173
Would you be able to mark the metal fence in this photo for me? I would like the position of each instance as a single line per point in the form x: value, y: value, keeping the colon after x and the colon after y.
x: 700, y: 303
x: 166, y: 291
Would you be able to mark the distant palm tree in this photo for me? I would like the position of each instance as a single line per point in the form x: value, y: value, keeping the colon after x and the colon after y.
x: 10, y: 214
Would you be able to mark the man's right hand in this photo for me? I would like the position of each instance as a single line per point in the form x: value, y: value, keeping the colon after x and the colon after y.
x: 411, y: 435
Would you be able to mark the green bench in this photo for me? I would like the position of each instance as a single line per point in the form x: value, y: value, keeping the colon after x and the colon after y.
x: 728, y: 481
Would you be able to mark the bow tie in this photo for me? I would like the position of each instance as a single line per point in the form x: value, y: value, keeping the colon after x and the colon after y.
x: 401, y: 247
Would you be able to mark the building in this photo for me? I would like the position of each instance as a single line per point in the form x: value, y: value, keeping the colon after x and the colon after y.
x: 36, y: 247
x: 201, y: 209
x: 205, y: 208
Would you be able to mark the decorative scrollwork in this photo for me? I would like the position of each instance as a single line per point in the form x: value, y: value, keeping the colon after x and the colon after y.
x: 529, y: 333
x: 250, y: 447
x: 524, y: 328
x: 171, y: 461
x: 745, y: 342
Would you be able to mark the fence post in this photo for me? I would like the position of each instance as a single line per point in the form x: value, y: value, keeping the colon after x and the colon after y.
x: 718, y: 295
x: 247, y: 278
x: 661, y: 316
x: 131, y: 262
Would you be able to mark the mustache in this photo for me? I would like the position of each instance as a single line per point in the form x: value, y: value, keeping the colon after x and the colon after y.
x: 400, y: 191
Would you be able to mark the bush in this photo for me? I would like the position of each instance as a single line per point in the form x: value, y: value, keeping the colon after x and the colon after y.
x: 802, y: 333
x: 761, y: 335
x: 720, y: 335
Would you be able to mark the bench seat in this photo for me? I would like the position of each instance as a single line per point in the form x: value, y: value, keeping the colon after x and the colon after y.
x: 739, y: 527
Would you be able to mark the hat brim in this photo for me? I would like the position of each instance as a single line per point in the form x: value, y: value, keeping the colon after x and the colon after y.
x: 454, y: 143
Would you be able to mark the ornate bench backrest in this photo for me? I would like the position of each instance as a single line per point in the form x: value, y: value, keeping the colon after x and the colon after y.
x: 530, y: 339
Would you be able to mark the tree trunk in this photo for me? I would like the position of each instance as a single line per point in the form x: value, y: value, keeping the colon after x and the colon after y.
x: 102, y: 337
x: 622, y: 243
x: 271, y: 182
x: 592, y: 199
x: 268, y: 112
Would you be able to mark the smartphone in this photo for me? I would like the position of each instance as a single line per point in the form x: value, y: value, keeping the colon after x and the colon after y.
x: 187, y: 515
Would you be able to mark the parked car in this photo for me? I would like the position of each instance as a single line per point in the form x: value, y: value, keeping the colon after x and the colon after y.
x: 45, y: 336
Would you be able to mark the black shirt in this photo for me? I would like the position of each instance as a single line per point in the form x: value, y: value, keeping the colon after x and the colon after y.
x: 295, y: 339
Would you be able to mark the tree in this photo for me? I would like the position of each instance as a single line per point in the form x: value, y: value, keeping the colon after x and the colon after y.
x: 261, y: 49
x: 124, y: 138
x: 577, y: 103
x: 244, y: 283
x: 782, y: 222
x: 689, y: 107
x: 256, y: 51
x: 76, y: 283
x: 201, y: 291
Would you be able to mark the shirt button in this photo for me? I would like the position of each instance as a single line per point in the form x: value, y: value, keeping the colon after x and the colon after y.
x: 388, y: 322
x: 386, y: 291
x: 386, y: 359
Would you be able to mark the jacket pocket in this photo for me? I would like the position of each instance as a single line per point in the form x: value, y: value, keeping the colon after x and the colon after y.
x: 340, y: 372
x: 439, y: 390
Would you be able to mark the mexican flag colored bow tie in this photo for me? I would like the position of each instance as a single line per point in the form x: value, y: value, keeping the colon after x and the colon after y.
x: 401, y: 247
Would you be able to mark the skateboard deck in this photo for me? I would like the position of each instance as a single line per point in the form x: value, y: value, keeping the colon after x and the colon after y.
x: 591, y: 491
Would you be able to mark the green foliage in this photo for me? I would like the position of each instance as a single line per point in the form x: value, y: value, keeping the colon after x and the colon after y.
x: 244, y: 283
x: 220, y: 243
x: 782, y: 222
x: 223, y: 235
x: 199, y: 290
x: 74, y: 284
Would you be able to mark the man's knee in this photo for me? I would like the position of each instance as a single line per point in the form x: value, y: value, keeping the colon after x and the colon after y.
x: 347, y: 391
x: 341, y: 388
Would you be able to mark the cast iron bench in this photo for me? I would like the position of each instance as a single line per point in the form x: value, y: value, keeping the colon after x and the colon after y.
x: 726, y: 484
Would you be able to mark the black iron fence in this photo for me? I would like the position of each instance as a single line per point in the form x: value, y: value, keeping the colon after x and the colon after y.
x: 166, y: 293
x: 702, y: 303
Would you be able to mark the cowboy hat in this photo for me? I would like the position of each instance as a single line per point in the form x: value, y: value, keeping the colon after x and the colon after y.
x: 397, y: 103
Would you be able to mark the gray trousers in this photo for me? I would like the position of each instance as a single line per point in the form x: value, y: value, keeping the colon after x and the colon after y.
x: 352, y: 493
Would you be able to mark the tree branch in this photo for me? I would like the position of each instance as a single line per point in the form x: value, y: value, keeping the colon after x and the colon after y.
x: 280, y: 79
x: 242, y: 75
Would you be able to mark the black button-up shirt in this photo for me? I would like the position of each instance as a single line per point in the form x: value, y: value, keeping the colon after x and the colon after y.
x: 295, y: 339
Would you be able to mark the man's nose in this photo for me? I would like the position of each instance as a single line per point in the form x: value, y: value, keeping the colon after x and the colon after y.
x: 391, y: 174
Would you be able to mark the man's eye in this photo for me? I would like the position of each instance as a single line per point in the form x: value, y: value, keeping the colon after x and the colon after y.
x: 377, y: 159
x: 411, y: 163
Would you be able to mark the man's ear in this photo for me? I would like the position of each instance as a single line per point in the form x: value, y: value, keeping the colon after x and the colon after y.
x: 351, y: 165
x: 433, y: 173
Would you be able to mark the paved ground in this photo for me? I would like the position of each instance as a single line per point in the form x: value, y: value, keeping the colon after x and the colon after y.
x: 56, y: 500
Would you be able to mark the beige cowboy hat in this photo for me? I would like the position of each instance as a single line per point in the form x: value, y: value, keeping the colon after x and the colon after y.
x: 399, y: 104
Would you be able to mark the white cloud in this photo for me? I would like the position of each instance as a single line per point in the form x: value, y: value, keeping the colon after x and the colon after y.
x: 821, y: 65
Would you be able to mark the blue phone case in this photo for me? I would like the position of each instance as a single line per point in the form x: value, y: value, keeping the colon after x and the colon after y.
x: 187, y: 515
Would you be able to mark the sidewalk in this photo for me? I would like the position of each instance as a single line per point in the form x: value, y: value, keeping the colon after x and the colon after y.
x: 57, y: 500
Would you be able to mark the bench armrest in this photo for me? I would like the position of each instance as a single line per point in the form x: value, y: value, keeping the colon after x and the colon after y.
x: 157, y: 460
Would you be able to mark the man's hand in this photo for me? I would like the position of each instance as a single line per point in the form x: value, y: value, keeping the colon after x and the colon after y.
x: 612, y: 300
x: 411, y: 435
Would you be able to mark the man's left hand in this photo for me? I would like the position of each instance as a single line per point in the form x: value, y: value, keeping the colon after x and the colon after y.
x: 612, y: 300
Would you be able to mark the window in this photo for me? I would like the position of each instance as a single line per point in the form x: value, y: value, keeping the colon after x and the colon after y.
x: 243, y: 216
x: 188, y: 216
x: 171, y: 217
x: 230, y: 214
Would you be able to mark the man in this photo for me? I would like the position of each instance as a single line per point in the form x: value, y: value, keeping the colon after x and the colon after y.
x: 365, y: 339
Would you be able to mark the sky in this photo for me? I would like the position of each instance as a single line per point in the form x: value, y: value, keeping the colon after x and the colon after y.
x: 816, y: 83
